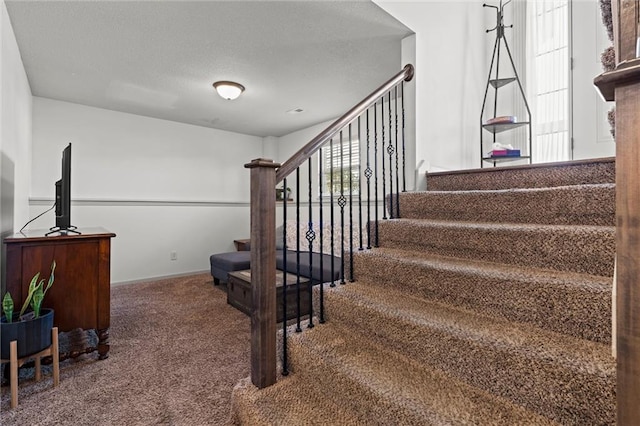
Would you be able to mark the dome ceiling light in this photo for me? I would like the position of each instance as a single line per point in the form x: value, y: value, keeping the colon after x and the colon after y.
x: 228, y: 89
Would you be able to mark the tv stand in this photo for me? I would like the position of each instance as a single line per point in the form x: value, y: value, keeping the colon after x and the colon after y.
x: 80, y: 295
x: 63, y: 231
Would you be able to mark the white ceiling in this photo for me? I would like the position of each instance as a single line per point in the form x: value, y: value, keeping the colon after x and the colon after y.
x: 159, y: 58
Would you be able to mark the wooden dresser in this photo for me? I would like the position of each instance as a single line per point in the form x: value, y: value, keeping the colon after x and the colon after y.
x: 82, y: 287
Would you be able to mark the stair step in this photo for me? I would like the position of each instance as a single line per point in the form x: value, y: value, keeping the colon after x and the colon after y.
x: 583, y: 249
x: 290, y: 401
x: 569, y: 380
x: 566, y: 205
x: 581, y: 172
x: 386, y: 387
x: 564, y: 302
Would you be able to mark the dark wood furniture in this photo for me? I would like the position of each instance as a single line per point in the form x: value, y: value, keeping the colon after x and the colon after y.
x: 623, y: 85
x: 239, y: 293
x: 242, y: 245
x: 82, y: 287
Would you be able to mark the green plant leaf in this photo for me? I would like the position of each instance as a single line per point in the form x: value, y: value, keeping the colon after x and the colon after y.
x: 7, y: 306
x: 32, y: 288
x: 51, y: 278
x: 36, y: 300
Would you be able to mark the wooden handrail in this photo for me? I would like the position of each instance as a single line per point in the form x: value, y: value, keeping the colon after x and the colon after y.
x: 316, y: 143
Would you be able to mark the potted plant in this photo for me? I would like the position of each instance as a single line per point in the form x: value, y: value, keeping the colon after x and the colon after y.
x: 282, y: 194
x: 31, y: 329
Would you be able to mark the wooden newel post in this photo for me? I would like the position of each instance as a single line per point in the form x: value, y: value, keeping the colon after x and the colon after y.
x: 263, y: 271
x: 623, y: 85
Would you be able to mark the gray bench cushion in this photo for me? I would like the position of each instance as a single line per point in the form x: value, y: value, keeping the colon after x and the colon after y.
x: 310, y: 267
x: 223, y: 263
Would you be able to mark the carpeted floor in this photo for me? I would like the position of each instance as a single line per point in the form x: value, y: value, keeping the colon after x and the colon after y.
x: 177, y: 350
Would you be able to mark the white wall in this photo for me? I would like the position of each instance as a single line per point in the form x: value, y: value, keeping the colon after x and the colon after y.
x: 15, y: 134
x: 288, y: 145
x: 452, y: 61
x: 451, y: 64
x: 161, y: 186
x: 284, y: 147
x: 15, y: 123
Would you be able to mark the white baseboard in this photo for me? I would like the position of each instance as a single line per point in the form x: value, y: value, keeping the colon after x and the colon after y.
x: 164, y: 277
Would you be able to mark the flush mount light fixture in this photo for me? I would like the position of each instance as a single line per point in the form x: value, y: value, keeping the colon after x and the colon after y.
x: 228, y: 89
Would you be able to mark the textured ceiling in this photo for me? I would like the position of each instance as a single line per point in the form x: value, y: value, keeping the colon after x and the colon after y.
x: 159, y: 58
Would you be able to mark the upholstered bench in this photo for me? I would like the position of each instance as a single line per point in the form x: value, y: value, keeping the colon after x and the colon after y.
x: 309, y: 267
x: 223, y: 263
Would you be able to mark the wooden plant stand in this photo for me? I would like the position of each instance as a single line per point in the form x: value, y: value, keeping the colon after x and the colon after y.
x: 16, y: 362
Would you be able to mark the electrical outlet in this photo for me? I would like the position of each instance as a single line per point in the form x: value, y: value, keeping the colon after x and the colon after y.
x: 174, y: 255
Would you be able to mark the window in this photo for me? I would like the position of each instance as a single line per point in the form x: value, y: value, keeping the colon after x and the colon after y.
x: 548, y: 65
x: 345, y: 164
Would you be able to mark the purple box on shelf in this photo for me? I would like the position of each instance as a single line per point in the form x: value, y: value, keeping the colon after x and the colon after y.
x: 505, y: 153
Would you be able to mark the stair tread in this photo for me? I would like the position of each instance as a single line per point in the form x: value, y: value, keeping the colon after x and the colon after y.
x: 577, y: 248
x: 592, y: 204
x: 576, y: 353
x: 515, y: 227
x: 394, y: 387
x: 518, y: 190
x: 287, y: 402
x: 588, y: 282
x: 554, y: 174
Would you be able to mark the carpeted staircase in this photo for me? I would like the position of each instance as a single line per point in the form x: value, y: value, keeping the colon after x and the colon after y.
x: 481, y: 306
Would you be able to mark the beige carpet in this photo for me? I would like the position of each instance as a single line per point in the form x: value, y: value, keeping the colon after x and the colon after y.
x: 177, y: 350
x: 582, y: 172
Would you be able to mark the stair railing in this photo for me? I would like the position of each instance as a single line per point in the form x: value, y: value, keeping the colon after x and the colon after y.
x: 379, y: 120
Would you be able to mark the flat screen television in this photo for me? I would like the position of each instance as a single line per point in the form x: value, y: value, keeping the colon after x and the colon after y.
x: 63, y: 196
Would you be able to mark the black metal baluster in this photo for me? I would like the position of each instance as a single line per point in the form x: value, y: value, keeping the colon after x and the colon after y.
x: 395, y: 94
x: 311, y: 236
x: 368, y: 173
x: 384, y: 186
x: 285, y: 361
x: 375, y: 168
x: 333, y: 269
x: 404, y: 168
x: 390, y: 152
x: 321, y: 226
x: 350, y: 205
x: 359, y: 186
x: 298, y: 328
x: 342, y: 201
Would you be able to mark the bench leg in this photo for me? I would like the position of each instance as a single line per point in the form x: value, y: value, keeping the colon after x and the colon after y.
x: 13, y: 379
x: 37, y: 366
x: 216, y: 281
x: 56, y: 356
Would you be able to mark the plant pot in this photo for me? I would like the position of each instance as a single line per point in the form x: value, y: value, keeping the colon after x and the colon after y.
x: 281, y: 194
x: 33, y: 335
